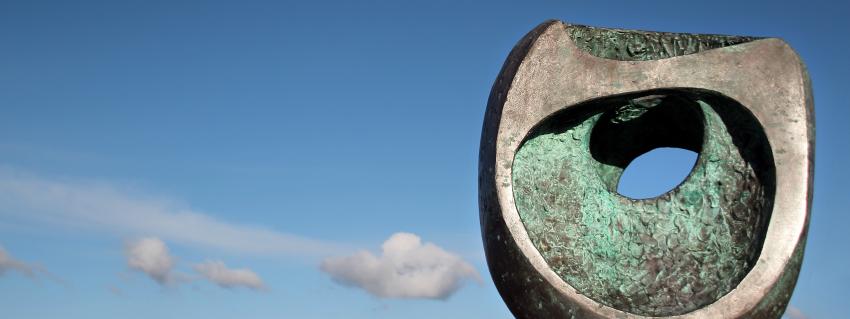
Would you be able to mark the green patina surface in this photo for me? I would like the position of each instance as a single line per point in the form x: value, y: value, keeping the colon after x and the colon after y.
x: 631, y: 45
x: 662, y: 256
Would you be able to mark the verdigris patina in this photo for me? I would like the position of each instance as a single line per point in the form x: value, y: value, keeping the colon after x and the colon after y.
x: 660, y: 256
x: 633, y: 45
x: 574, y: 105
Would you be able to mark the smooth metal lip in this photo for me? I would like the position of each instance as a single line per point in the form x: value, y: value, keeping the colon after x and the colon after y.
x: 547, y: 73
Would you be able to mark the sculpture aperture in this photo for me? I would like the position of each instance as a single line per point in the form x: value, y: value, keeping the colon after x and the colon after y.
x: 574, y: 105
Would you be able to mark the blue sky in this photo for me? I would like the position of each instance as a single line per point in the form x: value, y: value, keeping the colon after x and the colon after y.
x: 271, y: 135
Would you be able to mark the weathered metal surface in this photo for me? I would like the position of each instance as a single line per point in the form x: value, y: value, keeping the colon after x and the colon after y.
x: 633, y: 45
x: 574, y: 105
x: 661, y: 256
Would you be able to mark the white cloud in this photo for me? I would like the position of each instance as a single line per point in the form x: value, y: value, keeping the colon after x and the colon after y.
x: 7, y: 262
x: 102, y: 207
x: 794, y: 313
x: 405, y: 269
x: 218, y: 273
x: 150, y: 256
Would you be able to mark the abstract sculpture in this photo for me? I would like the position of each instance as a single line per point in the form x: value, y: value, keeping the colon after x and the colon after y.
x: 574, y: 105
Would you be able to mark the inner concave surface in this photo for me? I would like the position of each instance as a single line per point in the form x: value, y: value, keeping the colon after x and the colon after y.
x: 661, y: 256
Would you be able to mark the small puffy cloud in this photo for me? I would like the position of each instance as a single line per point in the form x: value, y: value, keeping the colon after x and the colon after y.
x: 795, y: 313
x: 150, y: 256
x: 7, y: 262
x: 406, y: 268
x: 218, y: 273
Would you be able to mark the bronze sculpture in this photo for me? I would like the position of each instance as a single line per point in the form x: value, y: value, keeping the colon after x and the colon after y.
x: 573, y: 105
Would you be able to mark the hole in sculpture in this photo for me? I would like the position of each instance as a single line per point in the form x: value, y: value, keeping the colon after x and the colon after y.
x: 656, y: 172
x: 631, y: 197
x: 662, y: 132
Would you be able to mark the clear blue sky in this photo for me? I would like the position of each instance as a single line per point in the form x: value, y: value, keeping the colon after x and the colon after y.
x: 334, y: 123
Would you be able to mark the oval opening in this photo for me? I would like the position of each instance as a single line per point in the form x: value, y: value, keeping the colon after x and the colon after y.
x: 575, y: 171
x: 656, y: 172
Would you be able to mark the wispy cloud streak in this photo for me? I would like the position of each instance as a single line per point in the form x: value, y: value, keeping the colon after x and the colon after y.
x: 8, y: 263
x: 102, y: 207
